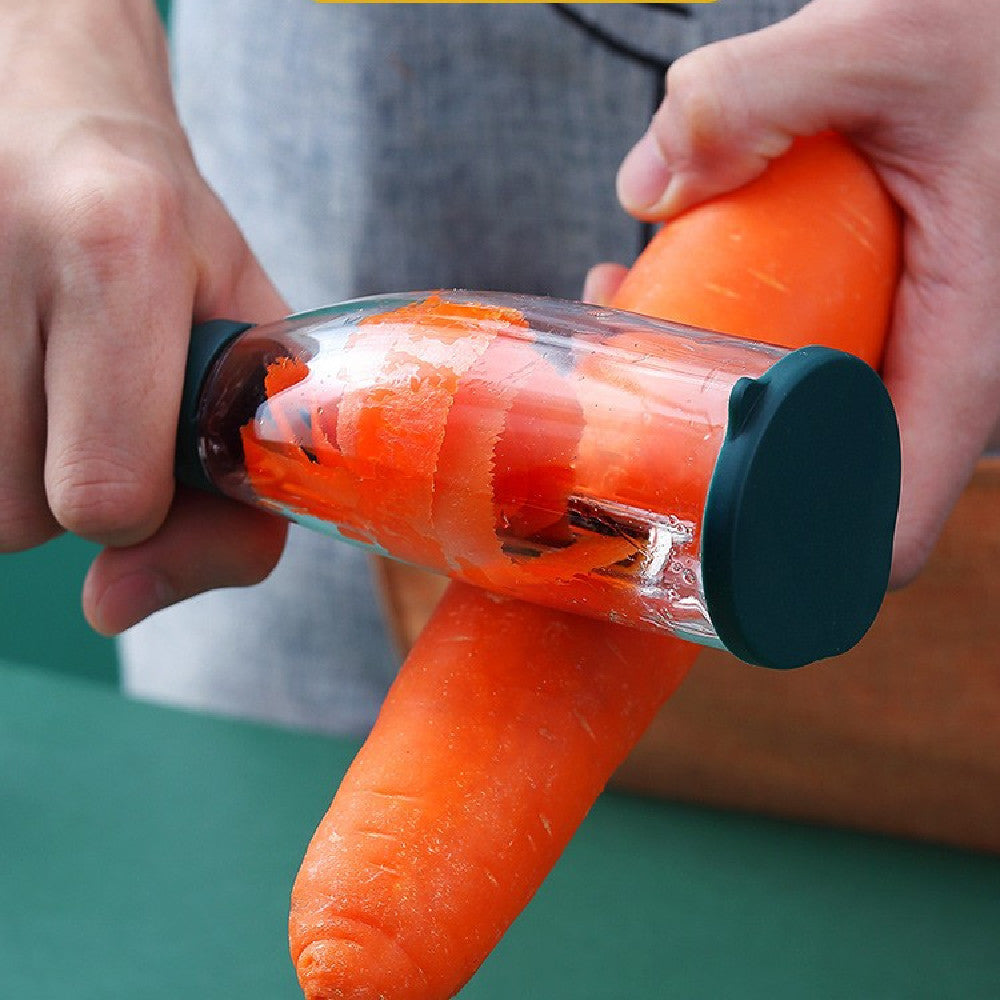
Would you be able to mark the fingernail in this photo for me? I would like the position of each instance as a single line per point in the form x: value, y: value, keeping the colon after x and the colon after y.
x: 129, y: 599
x: 671, y: 201
x: 643, y: 176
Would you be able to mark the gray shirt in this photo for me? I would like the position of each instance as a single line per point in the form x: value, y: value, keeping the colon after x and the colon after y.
x: 390, y: 147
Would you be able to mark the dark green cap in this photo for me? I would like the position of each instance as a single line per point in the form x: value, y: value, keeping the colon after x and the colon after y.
x: 801, y: 510
x: 208, y: 341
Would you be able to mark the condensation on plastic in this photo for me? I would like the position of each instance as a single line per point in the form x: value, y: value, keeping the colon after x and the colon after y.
x: 600, y: 429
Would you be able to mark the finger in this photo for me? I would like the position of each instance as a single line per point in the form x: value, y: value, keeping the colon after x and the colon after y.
x: 117, y: 316
x: 728, y: 112
x: 942, y: 368
x: 118, y: 323
x: 602, y: 282
x: 25, y: 519
x: 231, y: 282
x: 205, y: 542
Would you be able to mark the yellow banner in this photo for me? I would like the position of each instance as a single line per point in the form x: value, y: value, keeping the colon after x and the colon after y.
x: 586, y: 3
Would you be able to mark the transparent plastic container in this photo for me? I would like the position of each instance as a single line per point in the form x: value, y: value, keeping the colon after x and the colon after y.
x: 573, y: 456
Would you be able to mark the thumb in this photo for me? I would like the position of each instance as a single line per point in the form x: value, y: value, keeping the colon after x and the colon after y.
x: 733, y: 106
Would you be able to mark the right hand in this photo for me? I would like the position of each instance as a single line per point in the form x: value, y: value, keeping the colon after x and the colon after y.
x: 113, y: 244
x: 915, y: 85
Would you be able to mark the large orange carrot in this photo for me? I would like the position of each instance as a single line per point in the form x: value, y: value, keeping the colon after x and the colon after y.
x: 806, y: 254
x: 507, y: 719
x: 496, y: 738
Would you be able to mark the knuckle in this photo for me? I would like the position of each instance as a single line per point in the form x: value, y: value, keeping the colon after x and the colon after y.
x: 684, y: 79
x: 118, y: 209
x: 104, y: 498
x: 695, y: 89
x: 702, y: 107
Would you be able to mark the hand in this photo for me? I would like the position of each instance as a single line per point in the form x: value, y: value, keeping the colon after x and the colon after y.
x: 915, y: 84
x: 112, y: 245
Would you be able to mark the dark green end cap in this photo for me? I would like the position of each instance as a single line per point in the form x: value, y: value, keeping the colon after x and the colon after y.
x: 208, y: 340
x: 799, y: 521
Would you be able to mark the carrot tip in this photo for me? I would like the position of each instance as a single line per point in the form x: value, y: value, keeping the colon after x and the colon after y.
x: 358, y: 962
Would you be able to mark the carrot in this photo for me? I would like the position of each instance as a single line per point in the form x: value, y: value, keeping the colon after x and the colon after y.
x: 806, y: 254
x: 507, y: 719
x: 759, y: 263
x: 467, y: 791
